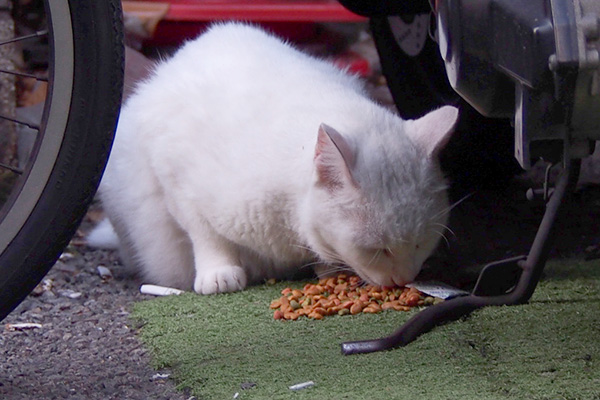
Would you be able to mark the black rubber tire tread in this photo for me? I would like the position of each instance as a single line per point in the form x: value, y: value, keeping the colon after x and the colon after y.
x: 379, y: 8
x: 418, y: 84
x: 97, y: 87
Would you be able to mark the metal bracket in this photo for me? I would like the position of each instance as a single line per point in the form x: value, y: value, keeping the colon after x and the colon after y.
x: 499, y: 277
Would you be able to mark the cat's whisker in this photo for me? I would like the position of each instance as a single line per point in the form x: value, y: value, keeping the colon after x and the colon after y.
x: 339, y: 268
x: 388, y: 248
x: 440, y: 188
x: 310, y: 264
x: 451, y: 207
x: 292, y: 238
x: 302, y: 247
x: 362, y: 283
x: 374, y: 258
x: 446, y: 227
x: 332, y: 257
x: 331, y: 261
x: 334, y: 269
x: 443, y: 237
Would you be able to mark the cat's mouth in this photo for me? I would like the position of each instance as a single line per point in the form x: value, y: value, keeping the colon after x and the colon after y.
x: 383, y: 279
x: 366, y: 278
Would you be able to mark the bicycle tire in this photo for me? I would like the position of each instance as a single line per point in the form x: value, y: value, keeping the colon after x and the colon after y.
x: 417, y: 82
x: 85, y: 82
x: 480, y: 153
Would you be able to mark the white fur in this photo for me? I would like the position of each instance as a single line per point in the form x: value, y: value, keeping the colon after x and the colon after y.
x: 103, y: 236
x: 222, y: 173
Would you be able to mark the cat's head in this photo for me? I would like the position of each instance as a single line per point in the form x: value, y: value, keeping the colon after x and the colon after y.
x: 379, y: 203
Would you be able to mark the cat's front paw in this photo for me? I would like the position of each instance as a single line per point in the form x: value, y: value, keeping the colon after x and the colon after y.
x: 227, y: 278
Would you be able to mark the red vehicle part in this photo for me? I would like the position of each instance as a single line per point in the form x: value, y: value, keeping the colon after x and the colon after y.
x: 259, y: 10
x: 292, y: 19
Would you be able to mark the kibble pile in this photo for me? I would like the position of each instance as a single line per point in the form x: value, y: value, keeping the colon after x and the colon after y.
x: 342, y: 295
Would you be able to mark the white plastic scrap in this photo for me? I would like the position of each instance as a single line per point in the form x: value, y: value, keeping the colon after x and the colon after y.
x: 303, y: 385
x: 160, y: 376
x: 159, y: 290
x: 23, y: 326
x: 437, y: 289
x: 70, y: 294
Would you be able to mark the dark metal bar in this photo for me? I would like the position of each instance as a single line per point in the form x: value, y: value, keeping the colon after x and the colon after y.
x: 24, y: 74
x: 30, y: 125
x: 542, y: 244
x: 11, y: 168
x: 453, y: 309
x: 25, y: 37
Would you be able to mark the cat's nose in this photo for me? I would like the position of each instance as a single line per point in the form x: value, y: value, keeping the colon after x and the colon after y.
x: 398, y: 281
x: 402, y: 280
x: 407, y: 275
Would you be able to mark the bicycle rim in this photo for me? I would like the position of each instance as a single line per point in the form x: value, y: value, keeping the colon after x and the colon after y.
x: 32, y: 177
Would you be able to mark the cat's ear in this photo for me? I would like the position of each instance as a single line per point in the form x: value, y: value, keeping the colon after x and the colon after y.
x: 432, y: 131
x: 334, y: 158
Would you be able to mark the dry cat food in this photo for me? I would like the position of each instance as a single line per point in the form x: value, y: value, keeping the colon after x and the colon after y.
x: 344, y: 295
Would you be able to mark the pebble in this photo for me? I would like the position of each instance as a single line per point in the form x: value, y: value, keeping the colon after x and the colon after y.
x: 81, y: 330
x: 66, y: 256
x: 247, y: 385
x: 44, y: 286
x: 104, y: 272
x: 65, y: 267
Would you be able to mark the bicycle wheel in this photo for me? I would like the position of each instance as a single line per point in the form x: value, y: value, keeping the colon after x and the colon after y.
x: 48, y: 184
x: 412, y: 65
x: 480, y: 153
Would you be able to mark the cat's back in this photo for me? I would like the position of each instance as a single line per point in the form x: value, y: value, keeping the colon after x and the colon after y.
x: 238, y: 89
x: 239, y: 59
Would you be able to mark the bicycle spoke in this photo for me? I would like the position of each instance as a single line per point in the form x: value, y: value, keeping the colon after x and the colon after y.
x: 13, y: 169
x: 26, y: 37
x: 25, y: 75
x: 28, y: 124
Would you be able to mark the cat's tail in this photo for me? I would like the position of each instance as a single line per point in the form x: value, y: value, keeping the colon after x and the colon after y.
x: 103, y: 236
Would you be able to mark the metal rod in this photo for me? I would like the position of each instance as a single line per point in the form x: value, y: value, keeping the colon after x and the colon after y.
x: 24, y: 74
x: 30, y: 125
x: 20, y: 38
x: 11, y: 168
x: 533, y: 266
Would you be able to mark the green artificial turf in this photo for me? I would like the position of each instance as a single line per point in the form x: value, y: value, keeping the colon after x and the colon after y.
x: 547, y: 349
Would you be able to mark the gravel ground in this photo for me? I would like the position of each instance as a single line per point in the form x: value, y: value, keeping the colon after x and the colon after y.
x: 85, y: 346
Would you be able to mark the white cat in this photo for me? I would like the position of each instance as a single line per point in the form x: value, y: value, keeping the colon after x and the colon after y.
x: 242, y: 158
